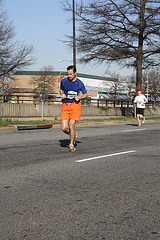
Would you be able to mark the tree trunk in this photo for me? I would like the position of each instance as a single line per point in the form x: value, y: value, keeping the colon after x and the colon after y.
x: 139, y: 70
x: 140, y: 46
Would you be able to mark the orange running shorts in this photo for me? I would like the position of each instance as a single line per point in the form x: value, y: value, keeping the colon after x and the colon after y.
x: 71, y: 111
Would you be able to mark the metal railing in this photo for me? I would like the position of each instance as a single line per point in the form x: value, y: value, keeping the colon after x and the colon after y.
x: 53, y: 99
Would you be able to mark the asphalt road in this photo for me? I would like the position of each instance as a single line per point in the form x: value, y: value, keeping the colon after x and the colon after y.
x: 108, y: 189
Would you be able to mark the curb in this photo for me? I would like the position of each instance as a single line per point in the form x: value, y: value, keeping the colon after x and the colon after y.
x: 32, y: 127
x: 80, y: 124
x: 8, y: 129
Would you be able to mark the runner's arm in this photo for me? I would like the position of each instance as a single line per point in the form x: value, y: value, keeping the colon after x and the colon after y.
x: 63, y: 96
x: 145, y: 102
x: 83, y: 96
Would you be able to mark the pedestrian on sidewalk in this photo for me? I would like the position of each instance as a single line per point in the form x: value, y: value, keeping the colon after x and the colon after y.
x: 72, y: 91
x: 140, y: 100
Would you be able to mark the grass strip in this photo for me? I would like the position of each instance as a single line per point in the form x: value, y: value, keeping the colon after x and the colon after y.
x: 7, y: 121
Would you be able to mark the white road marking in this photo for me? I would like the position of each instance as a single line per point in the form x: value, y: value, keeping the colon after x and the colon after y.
x: 104, y: 156
x: 133, y: 130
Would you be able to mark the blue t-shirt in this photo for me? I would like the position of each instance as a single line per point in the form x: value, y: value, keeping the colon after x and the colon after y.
x: 72, y: 88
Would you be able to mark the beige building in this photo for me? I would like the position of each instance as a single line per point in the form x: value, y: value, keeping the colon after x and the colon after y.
x: 27, y: 85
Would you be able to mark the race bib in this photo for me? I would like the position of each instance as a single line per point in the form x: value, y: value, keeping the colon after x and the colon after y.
x: 71, y: 94
x: 139, y: 103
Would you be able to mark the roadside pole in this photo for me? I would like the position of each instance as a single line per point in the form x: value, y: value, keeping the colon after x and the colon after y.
x: 42, y: 98
x: 135, y: 108
x: 42, y: 110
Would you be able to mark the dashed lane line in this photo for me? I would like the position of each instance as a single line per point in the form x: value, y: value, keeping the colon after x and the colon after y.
x: 134, y: 130
x: 105, y: 156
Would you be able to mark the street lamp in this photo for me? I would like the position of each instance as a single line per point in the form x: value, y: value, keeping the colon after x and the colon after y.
x: 157, y: 39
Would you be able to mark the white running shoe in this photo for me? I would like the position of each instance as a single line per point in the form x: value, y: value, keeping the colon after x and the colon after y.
x: 72, y: 148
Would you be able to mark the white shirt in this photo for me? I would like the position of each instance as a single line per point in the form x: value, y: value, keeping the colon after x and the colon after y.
x: 141, y: 99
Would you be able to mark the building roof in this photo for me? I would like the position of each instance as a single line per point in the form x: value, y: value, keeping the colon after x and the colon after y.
x: 57, y: 73
x: 97, y: 89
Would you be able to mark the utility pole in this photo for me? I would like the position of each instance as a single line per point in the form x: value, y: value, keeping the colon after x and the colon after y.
x: 74, y: 36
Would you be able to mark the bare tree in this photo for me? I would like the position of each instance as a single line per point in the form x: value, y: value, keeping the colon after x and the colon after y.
x: 114, y: 85
x: 130, y: 84
x: 44, y: 79
x: 45, y: 83
x: 13, y: 54
x: 151, y: 82
x: 119, y: 31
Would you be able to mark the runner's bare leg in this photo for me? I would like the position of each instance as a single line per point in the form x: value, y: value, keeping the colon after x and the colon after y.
x: 65, y: 127
x: 139, y: 120
x: 141, y: 117
x: 72, y: 130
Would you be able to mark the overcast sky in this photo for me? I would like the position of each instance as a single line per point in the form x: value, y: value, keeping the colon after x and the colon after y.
x: 44, y: 25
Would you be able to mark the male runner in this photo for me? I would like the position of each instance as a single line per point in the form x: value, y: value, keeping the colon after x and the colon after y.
x: 72, y: 90
x: 140, y: 100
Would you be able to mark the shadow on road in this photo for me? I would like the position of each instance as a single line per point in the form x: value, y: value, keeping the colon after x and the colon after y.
x: 132, y: 124
x: 65, y: 143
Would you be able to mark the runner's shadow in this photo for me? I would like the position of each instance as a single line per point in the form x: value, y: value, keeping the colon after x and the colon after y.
x: 132, y: 124
x: 65, y: 143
